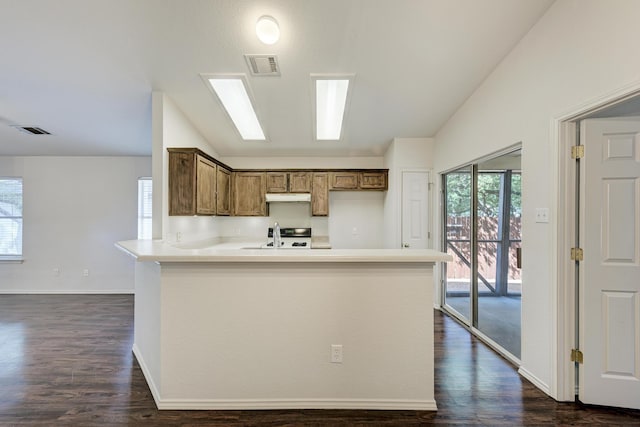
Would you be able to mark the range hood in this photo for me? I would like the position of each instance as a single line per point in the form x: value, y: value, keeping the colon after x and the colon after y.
x: 288, y: 197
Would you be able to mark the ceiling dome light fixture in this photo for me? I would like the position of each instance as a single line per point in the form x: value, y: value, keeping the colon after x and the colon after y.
x: 267, y: 29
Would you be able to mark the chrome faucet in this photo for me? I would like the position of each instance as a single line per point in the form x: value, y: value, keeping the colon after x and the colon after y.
x: 277, y: 238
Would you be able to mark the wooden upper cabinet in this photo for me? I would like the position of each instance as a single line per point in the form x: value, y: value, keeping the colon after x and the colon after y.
x: 192, y: 183
x: 288, y: 182
x: 249, y: 190
x: 373, y: 180
x: 182, y: 184
x: 299, y: 182
x: 223, y: 191
x: 277, y: 182
x: 343, y: 180
x: 202, y: 185
x: 320, y: 194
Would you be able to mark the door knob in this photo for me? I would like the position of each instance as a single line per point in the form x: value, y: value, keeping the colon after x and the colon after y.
x: 405, y: 245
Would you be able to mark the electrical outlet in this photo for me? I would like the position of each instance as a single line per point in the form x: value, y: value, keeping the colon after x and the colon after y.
x: 354, y: 231
x: 85, y: 272
x: 542, y: 215
x: 178, y: 237
x: 336, y: 353
x: 56, y: 272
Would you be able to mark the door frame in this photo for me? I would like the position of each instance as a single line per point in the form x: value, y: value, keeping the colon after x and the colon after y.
x: 440, y: 294
x: 563, y: 301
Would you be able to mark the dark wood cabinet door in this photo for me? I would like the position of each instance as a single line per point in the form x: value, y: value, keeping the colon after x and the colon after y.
x: 205, y: 186
x: 299, y: 182
x: 320, y: 194
x: 223, y: 191
x: 277, y: 182
x: 249, y: 190
x: 347, y: 180
x: 376, y: 180
x: 182, y: 183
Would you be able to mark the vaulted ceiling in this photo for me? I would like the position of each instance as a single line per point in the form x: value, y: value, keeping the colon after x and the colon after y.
x: 84, y: 70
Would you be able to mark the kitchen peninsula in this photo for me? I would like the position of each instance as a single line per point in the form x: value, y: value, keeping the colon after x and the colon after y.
x: 271, y: 328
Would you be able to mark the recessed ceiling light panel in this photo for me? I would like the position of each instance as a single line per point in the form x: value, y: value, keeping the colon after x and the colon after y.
x: 332, y: 94
x: 234, y: 97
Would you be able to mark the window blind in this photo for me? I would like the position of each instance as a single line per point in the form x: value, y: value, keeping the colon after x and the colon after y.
x: 10, y: 217
x: 145, y: 203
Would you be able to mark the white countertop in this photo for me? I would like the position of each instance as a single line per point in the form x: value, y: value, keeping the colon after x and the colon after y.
x: 157, y: 250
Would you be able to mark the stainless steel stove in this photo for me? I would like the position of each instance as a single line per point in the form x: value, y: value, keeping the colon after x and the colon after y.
x: 291, y: 238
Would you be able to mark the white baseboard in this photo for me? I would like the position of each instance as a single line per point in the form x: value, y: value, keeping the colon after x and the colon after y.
x: 253, y: 404
x: 535, y: 380
x: 147, y: 375
x: 250, y: 404
x: 65, y: 292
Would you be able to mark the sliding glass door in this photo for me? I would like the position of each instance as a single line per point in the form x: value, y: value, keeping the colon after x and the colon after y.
x: 482, y: 286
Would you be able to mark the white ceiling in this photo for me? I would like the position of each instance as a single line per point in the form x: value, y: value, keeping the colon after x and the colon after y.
x: 84, y: 70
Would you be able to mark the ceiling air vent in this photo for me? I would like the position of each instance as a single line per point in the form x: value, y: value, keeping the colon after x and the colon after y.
x: 263, y: 65
x: 32, y: 130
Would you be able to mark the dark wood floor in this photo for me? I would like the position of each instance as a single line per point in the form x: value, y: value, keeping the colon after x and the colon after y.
x: 66, y: 360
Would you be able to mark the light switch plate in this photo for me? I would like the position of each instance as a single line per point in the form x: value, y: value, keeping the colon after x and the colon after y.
x: 542, y: 215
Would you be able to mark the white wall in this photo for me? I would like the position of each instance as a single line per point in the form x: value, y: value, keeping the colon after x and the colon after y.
x: 356, y: 219
x: 75, y: 209
x: 403, y: 154
x: 579, y: 51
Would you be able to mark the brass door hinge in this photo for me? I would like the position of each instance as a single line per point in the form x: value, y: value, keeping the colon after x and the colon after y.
x: 577, y: 151
x: 577, y: 254
x: 576, y: 356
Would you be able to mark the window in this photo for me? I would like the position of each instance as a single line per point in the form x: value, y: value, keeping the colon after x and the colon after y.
x: 10, y: 218
x: 144, y: 208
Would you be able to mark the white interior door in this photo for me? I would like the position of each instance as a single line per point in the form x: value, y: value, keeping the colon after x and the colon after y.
x: 415, y: 214
x: 610, y: 272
